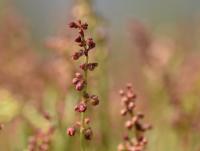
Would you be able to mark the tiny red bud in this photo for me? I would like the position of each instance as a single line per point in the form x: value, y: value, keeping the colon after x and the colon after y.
x: 78, y: 39
x: 76, y: 56
x: 71, y: 131
x: 81, y: 32
x: 87, y: 120
x: 88, y: 133
x: 131, y: 106
x: 73, y: 25
x: 92, y: 66
x: 121, y: 92
x: 78, y: 75
x: 90, y: 43
x: 75, y: 80
x: 123, y: 112
x: 95, y: 100
x: 84, y: 26
x: 129, y: 124
x: 82, y: 107
x: 84, y: 66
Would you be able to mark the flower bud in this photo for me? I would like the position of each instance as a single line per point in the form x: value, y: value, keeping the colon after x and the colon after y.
x: 121, y: 92
x: 129, y: 124
x: 71, y: 131
x: 78, y: 75
x: 78, y: 39
x: 86, y: 120
x: 75, y: 80
x: 131, y: 106
x: 123, y: 112
x: 73, y: 25
x: 84, y: 66
x: 124, y: 100
x: 94, y: 100
x: 82, y: 107
x: 84, y: 26
x: 88, y: 133
x: 92, y: 66
x: 90, y: 43
x: 120, y: 147
x: 80, y: 85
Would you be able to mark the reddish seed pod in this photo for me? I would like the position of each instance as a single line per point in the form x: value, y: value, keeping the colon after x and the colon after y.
x: 148, y: 127
x: 86, y: 95
x: 120, y: 147
x: 84, y: 26
x: 131, y: 106
x: 84, y: 66
x: 81, y: 32
x: 139, y: 127
x: 126, y: 137
x: 82, y: 107
x: 80, y: 85
x: 131, y: 95
x: 75, y: 80
x: 87, y: 120
x: 73, y: 25
x: 94, y: 100
x: 129, y: 124
x: 47, y: 116
x: 92, y: 66
x: 129, y: 86
x: 123, y: 112
x: 78, y: 75
x: 135, y: 119
x: 90, y: 43
x: 88, y: 133
x: 78, y: 39
x: 76, y: 56
x: 71, y: 131
x: 140, y: 115
x: 124, y: 100
x: 121, y: 92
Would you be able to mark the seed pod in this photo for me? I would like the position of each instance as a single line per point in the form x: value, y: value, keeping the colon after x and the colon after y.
x: 71, y: 131
x: 88, y: 133
x: 129, y: 124
x: 90, y: 43
x: 73, y: 25
x: 86, y: 120
x: 84, y: 26
x: 82, y: 107
x: 94, y: 100
x: 123, y: 112
x: 78, y: 39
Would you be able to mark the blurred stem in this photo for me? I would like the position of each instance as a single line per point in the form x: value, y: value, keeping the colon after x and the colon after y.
x: 81, y: 132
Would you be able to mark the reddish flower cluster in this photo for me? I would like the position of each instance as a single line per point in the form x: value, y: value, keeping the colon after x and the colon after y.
x: 139, y: 142
x: 80, y: 80
x: 41, y: 140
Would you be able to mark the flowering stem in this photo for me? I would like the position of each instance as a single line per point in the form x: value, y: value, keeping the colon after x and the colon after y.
x: 81, y: 81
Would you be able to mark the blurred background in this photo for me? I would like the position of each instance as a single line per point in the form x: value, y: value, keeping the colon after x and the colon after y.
x: 152, y: 44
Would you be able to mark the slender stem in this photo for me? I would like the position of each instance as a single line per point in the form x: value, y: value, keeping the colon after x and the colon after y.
x: 83, y: 114
x: 81, y: 132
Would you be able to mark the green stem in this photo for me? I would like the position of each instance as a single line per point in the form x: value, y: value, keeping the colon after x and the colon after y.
x: 81, y: 132
x: 83, y: 114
